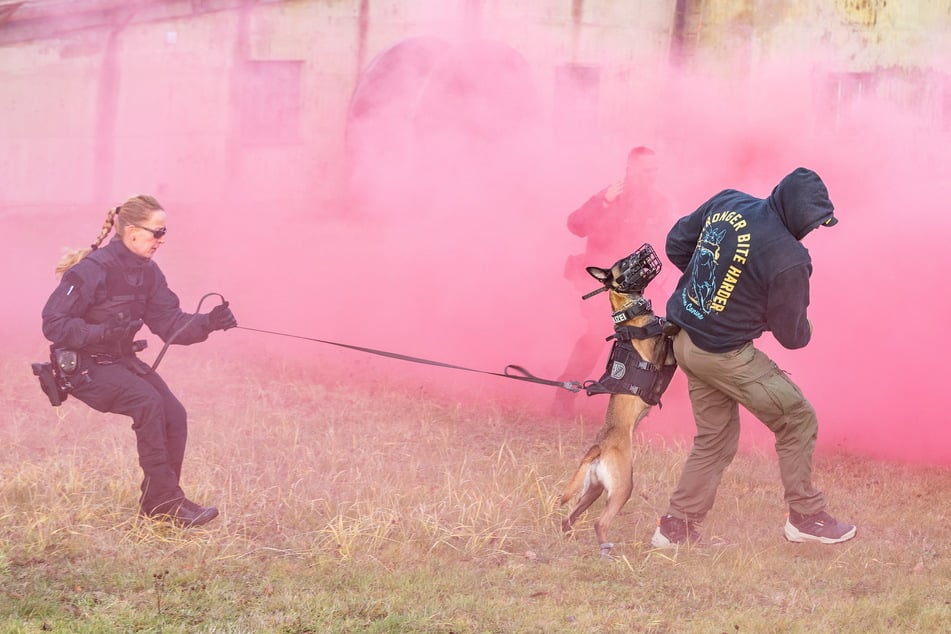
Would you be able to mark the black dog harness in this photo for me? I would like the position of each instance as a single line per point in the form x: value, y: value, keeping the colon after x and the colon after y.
x: 627, y: 372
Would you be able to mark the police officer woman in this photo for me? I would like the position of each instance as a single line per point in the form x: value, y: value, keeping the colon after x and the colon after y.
x: 106, y: 293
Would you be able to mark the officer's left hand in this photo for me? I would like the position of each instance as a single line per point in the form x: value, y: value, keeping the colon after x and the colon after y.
x: 221, y: 317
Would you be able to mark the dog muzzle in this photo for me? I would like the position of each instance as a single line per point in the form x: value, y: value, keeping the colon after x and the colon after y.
x: 637, y: 270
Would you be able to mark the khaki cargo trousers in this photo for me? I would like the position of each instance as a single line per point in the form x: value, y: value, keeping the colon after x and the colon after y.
x: 718, y: 384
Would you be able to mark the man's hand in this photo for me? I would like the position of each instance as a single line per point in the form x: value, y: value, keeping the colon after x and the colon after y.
x: 612, y: 192
x: 221, y: 317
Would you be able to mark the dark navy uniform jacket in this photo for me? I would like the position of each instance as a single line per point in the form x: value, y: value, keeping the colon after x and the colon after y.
x: 113, y: 285
x: 744, y: 269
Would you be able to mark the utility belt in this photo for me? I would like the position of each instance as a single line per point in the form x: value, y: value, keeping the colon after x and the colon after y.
x: 69, y: 369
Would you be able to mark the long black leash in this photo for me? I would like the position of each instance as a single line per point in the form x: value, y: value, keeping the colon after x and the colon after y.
x: 523, y: 374
x: 174, y: 336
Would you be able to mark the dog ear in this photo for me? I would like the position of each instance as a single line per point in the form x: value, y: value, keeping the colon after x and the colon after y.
x: 602, y: 275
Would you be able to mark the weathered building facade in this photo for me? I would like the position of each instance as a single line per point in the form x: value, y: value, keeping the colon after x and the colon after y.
x: 201, y: 95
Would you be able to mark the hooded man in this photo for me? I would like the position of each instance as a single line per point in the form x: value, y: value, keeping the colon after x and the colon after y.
x: 745, y: 272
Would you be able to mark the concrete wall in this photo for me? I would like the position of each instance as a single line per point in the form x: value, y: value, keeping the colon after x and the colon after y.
x: 178, y: 104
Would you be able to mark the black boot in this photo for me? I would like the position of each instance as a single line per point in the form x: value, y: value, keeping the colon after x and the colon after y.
x: 184, y: 513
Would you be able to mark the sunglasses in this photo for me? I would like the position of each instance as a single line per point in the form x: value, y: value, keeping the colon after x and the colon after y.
x: 158, y: 234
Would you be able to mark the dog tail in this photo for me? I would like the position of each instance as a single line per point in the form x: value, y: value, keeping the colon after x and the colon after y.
x: 578, y: 478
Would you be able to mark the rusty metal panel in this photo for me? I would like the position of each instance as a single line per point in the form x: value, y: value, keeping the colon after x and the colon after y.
x: 861, y: 12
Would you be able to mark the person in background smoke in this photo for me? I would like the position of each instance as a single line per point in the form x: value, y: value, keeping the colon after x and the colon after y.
x: 745, y: 272
x: 615, y: 222
x: 104, y: 296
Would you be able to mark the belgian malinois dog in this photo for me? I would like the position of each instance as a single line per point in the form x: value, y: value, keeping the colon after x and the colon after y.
x: 608, y: 464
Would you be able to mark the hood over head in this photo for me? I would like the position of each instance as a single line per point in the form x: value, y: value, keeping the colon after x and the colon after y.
x: 802, y: 202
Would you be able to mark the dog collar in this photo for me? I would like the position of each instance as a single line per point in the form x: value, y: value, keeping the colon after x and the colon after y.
x: 641, y: 306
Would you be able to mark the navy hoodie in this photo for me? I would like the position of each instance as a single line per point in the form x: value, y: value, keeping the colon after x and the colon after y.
x: 744, y: 269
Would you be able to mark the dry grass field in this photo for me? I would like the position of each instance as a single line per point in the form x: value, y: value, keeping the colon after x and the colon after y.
x: 368, y: 509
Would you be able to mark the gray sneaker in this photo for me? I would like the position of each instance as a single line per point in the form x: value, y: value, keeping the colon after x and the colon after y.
x: 821, y: 527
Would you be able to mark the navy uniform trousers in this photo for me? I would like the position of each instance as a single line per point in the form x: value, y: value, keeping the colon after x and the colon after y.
x: 129, y: 387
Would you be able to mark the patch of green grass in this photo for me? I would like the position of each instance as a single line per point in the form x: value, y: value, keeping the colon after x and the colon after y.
x: 370, y: 510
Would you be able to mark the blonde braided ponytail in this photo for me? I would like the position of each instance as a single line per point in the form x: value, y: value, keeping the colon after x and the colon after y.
x: 133, y: 210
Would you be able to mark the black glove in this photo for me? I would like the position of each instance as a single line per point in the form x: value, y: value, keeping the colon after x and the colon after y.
x: 120, y: 331
x: 118, y: 334
x: 221, y: 317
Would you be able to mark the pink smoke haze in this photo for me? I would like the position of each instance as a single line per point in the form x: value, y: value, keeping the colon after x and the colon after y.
x: 446, y: 237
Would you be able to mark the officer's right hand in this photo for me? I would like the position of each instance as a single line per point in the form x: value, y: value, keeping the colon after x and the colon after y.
x: 120, y: 331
